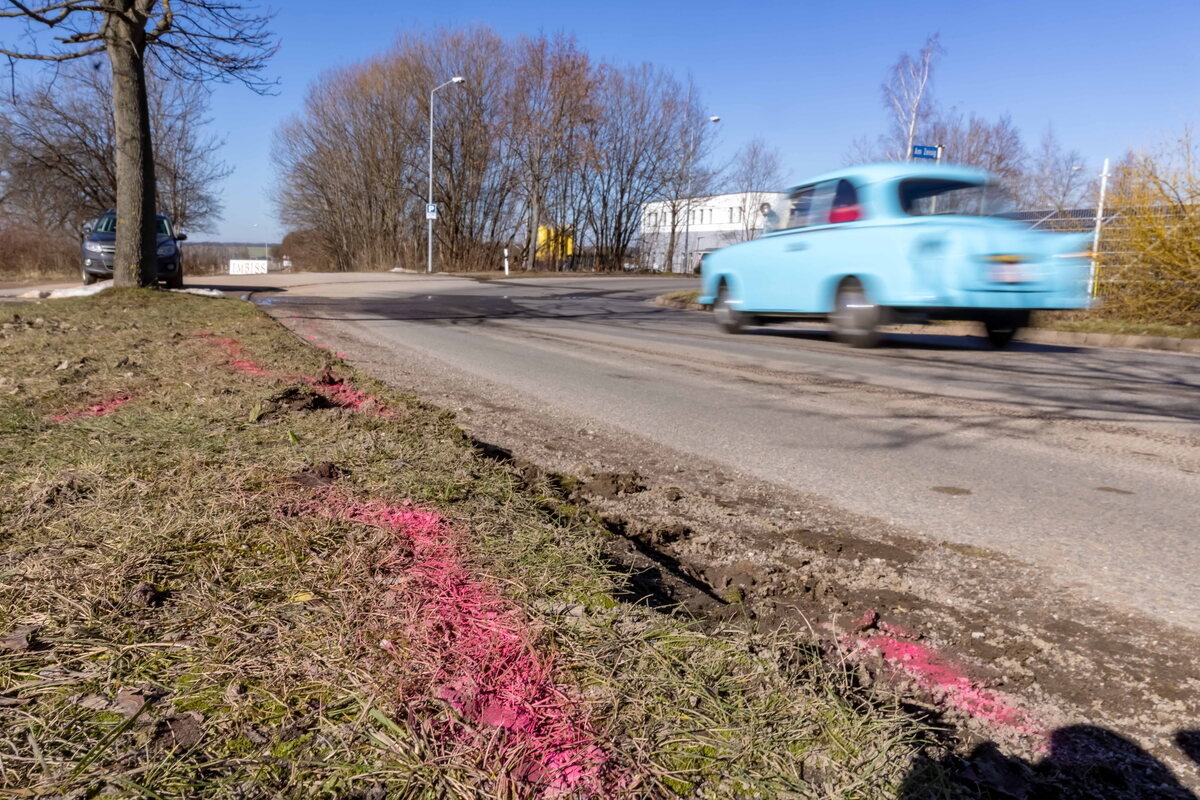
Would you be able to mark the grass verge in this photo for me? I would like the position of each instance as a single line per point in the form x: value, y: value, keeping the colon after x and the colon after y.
x: 174, y: 623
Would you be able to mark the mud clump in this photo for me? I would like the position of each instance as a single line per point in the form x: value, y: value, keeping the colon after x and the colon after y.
x: 294, y: 400
x: 323, y: 473
x: 611, y: 485
x: 849, y: 547
x: 67, y: 487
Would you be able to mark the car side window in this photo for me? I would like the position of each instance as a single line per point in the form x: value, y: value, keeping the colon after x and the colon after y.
x: 800, y: 207
x: 845, y: 207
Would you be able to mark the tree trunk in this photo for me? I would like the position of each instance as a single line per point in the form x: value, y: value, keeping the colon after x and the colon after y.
x: 531, y: 253
x: 136, y: 260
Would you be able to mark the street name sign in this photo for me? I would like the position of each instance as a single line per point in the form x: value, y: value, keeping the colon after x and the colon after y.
x: 929, y: 151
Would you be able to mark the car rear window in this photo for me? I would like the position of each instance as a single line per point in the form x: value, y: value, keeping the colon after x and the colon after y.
x: 929, y: 196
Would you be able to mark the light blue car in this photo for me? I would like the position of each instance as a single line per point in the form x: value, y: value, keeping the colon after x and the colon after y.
x: 883, y: 243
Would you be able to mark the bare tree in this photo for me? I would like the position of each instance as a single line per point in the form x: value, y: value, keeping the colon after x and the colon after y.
x: 992, y: 146
x: 550, y: 98
x: 755, y: 173
x: 537, y: 136
x: 908, y: 96
x: 59, y: 145
x: 193, y: 39
x: 1058, y: 179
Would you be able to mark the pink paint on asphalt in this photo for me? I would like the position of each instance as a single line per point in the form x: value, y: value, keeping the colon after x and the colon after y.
x: 464, y: 643
x: 96, y: 409
x: 934, y: 673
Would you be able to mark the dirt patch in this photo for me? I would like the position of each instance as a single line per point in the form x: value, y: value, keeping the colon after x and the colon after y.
x: 846, y: 546
x: 323, y: 473
x: 610, y: 485
x: 293, y: 400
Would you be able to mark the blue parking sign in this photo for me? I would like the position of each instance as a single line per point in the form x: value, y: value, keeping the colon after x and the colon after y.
x: 925, y: 151
x: 431, y: 211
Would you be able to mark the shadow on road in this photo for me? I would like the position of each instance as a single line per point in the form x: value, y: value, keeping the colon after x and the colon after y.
x: 1083, y: 761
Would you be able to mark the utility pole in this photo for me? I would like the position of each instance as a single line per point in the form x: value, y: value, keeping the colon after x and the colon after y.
x: 430, y: 211
x: 1092, y: 278
x: 687, y: 219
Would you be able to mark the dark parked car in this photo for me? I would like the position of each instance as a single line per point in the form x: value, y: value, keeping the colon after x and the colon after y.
x: 100, y: 243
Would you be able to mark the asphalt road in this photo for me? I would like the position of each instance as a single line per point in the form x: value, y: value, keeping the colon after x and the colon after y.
x: 1081, y: 460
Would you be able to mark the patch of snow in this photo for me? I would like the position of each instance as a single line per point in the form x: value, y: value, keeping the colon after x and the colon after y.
x: 80, y: 291
x: 201, y: 292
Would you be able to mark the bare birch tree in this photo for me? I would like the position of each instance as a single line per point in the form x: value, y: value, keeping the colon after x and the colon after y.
x: 194, y: 39
x: 908, y: 96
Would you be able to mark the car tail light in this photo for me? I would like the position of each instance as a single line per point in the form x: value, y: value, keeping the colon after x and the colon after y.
x: 845, y: 214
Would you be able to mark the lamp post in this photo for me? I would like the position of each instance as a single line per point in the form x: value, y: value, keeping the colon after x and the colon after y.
x: 266, y: 246
x: 429, y: 201
x: 687, y: 219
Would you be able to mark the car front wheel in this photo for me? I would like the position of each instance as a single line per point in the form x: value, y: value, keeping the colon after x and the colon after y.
x: 855, y: 318
x: 728, y: 318
x: 88, y: 278
x: 175, y: 279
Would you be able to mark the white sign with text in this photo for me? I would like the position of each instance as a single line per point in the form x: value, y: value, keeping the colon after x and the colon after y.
x: 248, y: 266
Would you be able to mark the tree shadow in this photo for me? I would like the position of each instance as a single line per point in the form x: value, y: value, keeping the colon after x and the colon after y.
x: 1083, y: 761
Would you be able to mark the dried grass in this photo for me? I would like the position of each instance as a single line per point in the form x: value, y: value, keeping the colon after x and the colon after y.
x: 189, y: 640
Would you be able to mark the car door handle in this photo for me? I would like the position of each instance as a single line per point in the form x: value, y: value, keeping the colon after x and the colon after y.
x: 797, y: 246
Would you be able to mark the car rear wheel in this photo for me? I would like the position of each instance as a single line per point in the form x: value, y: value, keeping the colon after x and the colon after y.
x: 855, y: 318
x: 728, y: 318
x: 88, y: 278
x: 1002, y: 329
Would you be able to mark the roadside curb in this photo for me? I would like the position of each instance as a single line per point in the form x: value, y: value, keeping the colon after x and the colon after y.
x: 1173, y: 344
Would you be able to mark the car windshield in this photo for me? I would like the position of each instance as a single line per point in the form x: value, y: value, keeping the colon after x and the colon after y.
x: 108, y: 224
x: 921, y: 197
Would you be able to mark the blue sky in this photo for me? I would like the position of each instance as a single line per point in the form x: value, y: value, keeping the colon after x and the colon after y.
x: 1107, y: 75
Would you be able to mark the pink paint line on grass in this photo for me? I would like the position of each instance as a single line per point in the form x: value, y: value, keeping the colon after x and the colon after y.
x: 341, y: 392
x: 234, y: 349
x: 934, y: 673
x: 96, y: 409
x: 338, y: 391
x: 459, y: 640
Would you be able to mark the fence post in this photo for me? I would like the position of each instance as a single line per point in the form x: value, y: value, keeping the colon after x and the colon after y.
x: 1092, y: 279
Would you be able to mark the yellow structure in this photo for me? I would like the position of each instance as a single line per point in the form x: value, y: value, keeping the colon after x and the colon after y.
x: 555, y: 243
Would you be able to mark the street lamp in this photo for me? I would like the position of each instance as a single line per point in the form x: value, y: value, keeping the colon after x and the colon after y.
x: 687, y: 220
x: 429, y: 202
x: 266, y: 245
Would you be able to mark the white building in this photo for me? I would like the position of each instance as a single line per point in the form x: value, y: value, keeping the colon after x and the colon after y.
x: 702, y: 224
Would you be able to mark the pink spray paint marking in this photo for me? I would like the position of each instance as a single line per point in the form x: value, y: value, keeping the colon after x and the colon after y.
x: 470, y: 647
x: 338, y: 391
x: 341, y: 392
x: 933, y: 672
x: 234, y: 350
x: 95, y: 410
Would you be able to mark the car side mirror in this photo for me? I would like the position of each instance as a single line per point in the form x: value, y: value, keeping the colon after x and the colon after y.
x: 88, y: 228
x: 181, y: 237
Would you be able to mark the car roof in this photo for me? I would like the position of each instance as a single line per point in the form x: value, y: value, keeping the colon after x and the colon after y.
x: 898, y: 170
